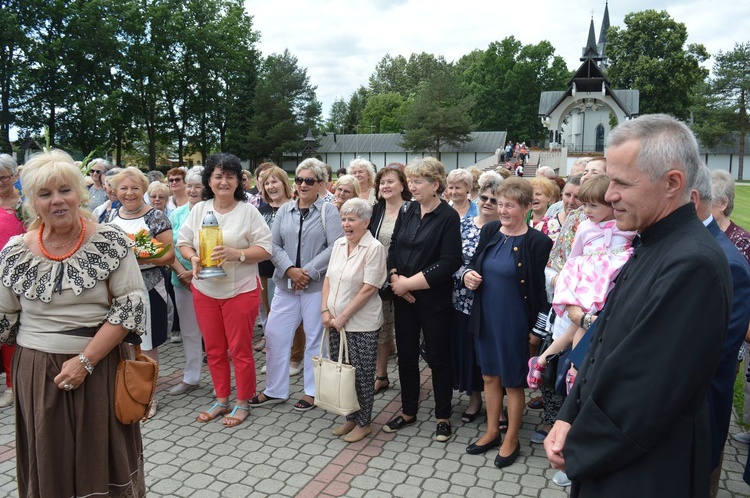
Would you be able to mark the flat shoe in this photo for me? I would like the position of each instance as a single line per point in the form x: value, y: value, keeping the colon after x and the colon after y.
x: 501, y: 461
x: 204, y: 417
x: 260, y: 346
x: 382, y: 388
x: 398, y: 423
x: 536, y: 403
x: 342, y: 430
x: 353, y: 438
x: 183, y: 388
x: 303, y: 405
x: 538, y: 437
x: 232, y: 421
x: 152, y: 409
x: 267, y: 400
x: 478, y: 449
x: 295, y: 370
x: 467, y: 417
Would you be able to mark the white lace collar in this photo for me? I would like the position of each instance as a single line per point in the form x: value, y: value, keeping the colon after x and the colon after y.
x: 36, y: 277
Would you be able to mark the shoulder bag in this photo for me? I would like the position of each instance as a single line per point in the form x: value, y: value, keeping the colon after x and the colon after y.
x: 335, y: 390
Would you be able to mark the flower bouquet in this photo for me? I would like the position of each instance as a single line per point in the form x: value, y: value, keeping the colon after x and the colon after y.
x: 147, y: 247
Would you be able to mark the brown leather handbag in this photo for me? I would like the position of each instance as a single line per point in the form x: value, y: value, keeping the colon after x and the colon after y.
x: 135, y: 385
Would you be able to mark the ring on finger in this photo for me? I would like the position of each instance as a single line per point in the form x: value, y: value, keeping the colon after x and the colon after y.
x: 68, y: 387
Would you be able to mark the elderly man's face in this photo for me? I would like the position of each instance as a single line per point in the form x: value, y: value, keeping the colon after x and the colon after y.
x: 638, y: 202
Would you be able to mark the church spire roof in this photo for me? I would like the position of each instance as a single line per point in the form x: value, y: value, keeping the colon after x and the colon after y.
x: 605, y: 26
x: 590, y: 50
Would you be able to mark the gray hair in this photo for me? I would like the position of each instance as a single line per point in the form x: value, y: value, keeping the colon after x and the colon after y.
x: 665, y: 144
x: 722, y: 188
x: 360, y: 162
x: 8, y: 163
x: 194, y: 174
x: 574, y: 180
x: 579, y: 163
x: 316, y: 166
x: 100, y: 160
x: 489, y: 180
x: 546, y: 171
x: 113, y: 171
x: 358, y: 207
x: 702, y: 184
x: 461, y: 175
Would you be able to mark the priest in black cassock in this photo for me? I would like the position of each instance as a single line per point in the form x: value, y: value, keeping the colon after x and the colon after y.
x: 636, y: 421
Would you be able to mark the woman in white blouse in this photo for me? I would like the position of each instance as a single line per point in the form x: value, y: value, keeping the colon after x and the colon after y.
x: 226, y: 307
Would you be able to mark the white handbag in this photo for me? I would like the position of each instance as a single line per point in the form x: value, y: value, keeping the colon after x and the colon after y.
x: 334, y: 380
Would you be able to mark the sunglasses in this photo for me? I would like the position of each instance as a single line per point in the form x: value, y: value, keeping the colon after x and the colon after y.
x: 307, y: 181
x: 491, y: 200
x: 96, y: 172
x: 174, y: 180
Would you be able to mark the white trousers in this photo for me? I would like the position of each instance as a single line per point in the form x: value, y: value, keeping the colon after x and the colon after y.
x: 191, y: 335
x: 287, y: 310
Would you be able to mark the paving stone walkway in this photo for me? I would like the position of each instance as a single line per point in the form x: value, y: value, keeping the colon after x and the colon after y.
x: 279, y: 452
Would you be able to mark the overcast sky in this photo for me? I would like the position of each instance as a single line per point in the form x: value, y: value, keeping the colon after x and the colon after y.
x: 341, y: 41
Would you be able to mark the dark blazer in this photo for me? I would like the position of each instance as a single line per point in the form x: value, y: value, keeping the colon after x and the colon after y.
x: 530, y: 256
x: 722, y: 385
x: 638, y: 409
x: 378, y: 212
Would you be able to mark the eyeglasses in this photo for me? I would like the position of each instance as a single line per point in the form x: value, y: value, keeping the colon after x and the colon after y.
x: 174, y: 180
x: 307, y: 181
x: 96, y: 172
x: 5, y: 178
x: 491, y: 200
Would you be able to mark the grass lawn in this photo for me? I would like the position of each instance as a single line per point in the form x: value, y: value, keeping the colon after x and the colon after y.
x: 741, y: 216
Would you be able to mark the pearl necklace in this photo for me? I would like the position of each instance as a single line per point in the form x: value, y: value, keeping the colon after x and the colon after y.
x: 131, y: 213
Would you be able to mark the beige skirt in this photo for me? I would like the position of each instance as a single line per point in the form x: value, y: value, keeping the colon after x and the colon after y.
x: 69, y: 443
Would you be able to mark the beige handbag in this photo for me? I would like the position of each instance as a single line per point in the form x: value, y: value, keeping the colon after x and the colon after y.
x: 334, y: 380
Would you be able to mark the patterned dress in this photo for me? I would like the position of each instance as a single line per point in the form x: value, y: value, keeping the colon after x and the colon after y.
x: 599, y: 252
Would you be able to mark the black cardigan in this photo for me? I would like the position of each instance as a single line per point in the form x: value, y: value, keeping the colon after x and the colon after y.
x: 530, y: 255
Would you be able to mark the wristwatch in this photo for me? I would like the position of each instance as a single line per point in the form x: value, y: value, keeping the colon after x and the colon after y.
x: 242, y: 256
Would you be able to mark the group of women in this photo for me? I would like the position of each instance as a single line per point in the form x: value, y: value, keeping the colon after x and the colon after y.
x: 390, y: 254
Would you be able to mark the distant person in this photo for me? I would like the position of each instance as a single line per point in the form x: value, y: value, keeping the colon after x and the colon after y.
x: 97, y: 194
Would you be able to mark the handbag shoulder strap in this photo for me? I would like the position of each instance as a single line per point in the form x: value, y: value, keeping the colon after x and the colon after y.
x: 343, y: 346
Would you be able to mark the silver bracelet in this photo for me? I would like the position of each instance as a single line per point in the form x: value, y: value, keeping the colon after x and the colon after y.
x: 86, y: 363
x: 587, y: 321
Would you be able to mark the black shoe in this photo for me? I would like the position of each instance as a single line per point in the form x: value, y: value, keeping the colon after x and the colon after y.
x: 398, y: 423
x: 443, y: 432
x: 467, y: 417
x: 478, y: 449
x: 501, y: 461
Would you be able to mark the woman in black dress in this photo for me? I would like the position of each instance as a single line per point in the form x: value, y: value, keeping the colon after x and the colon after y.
x: 510, y: 301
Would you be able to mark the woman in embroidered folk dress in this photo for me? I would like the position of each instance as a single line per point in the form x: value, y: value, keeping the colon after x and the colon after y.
x: 132, y: 216
x: 11, y: 223
x: 226, y: 307
x: 351, y: 303
x: 55, y: 302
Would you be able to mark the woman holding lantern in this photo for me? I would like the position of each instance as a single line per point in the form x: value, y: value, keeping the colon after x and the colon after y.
x: 226, y: 306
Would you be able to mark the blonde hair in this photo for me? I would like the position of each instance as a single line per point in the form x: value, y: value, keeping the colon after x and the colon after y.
x: 429, y: 168
x: 130, y: 172
x: 280, y: 175
x: 549, y: 187
x: 51, y: 168
x: 348, y: 180
x: 159, y: 187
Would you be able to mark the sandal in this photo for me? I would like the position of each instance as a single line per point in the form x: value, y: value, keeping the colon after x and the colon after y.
x: 535, y: 403
x: 503, y: 424
x: 467, y: 417
x: 207, y: 417
x: 261, y: 345
x: 152, y: 409
x: 382, y: 388
x: 534, y: 377
x: 232, y: 421
x: 303, y: 405
x: 267, y: 400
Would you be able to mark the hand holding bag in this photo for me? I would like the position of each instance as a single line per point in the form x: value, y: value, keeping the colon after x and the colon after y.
x: 135, y: 385
x: 334, y: 381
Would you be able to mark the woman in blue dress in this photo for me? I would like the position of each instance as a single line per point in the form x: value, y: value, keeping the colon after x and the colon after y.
x: 510, y: 302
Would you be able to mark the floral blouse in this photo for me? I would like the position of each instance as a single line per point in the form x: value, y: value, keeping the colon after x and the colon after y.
x: 463, y: 298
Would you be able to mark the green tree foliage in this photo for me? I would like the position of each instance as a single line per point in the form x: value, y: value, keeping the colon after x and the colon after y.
x: 337, y: 118
x: 13, y: 42
x: 356, y: 105
x: 284, y: 106
x: 650, y: 55
x: 505, y: 82
x: 383, y: 113
x: 438, y: 115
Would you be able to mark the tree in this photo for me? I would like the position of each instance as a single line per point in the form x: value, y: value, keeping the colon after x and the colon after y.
x: 731, y: 89
x: 383, y: 113
x: 337, y: 118
x: 438, y: 114
x: 13, y: 41
x: 284, y: 107
x: 650, y: 55
x: 505, y: 82
x: 357, y: 103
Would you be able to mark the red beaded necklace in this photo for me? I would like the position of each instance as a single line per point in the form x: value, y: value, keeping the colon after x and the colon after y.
x: 79, y: 242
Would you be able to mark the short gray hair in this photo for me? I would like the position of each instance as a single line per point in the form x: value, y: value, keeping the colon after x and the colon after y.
x: 360, y: 162
x: 489, y: 180
x: 317, y: 166
x: 702, y: 184
x: 100, y: 160
x: 9, y: 164
x: 546, y: 171
x: 358, y: 207
x: 194, y: 174
x: 665, y: 144
x: 461, y: 175
x: 722, y: 188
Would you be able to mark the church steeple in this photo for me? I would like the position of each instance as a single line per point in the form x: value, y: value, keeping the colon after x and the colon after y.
x: 605, y: 26
x: 590, y: 51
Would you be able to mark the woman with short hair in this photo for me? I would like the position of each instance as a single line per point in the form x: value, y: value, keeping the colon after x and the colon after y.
x: 351, y: 304
x: 346, y: 187
x: 460, y: 183
x: 364, y: 171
